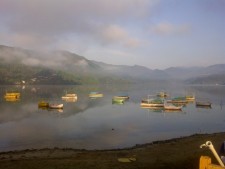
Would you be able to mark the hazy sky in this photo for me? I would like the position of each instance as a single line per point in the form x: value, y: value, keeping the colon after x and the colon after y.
x: 152, y: 33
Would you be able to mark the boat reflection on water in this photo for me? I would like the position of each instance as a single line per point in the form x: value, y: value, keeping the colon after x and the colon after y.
x: 12, y: 99
x: 153, y: 109
x: 161, y: 110
x: 173, y: 111
x: 50, y: 110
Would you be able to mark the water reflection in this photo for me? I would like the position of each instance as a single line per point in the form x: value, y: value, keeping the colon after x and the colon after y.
x: 99, y: 123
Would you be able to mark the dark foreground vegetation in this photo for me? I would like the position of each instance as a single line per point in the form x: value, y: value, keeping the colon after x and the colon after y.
x: 170, y: 154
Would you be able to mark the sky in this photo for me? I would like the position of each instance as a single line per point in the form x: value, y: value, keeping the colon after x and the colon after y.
x: 157, y: 34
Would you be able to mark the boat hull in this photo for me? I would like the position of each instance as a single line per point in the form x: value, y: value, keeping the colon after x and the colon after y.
x: 172, y: 107
x: 117, y: 101
x: 121, y: 97
x: 43, y: 104
x: 203, y: 104
x: 69, y: 96
x: 95, y: 95
x: 56, y: 106
x: 152, y: 105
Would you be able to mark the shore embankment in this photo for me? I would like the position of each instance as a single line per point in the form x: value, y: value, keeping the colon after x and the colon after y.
x: 175, y: 153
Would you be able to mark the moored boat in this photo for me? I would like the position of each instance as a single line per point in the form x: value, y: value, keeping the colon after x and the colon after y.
x: 117, y: 101
x: 152, y: 103
x: 55, y: 106
x: 190, y: 97
x: 172, y: 107
x: 69, y: 96
x: 9, y: 95
x: 203, y: 104
x: 43, y: 104
x: 95, y: 95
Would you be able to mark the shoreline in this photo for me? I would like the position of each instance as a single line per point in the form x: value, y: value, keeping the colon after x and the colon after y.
x: 142, y: 145
x: 176, y: 153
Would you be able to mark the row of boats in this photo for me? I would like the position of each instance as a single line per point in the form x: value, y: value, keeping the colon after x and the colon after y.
x: 73, y: 97
x: 161, y: 101
x: 175, y: 103
x: 69, y: 97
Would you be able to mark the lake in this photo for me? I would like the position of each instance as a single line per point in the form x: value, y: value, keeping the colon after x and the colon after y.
x: 99, y: 124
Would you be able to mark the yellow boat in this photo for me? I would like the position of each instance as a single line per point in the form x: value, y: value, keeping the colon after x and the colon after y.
x: 95, y: 95
x: 190, y: 97
x: 11, y: 95
x: 43, y: 104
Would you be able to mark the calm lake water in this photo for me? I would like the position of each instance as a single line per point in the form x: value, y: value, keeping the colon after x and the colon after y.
x: 99, y: 124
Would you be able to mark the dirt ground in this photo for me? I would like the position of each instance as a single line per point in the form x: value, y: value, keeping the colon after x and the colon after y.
x: 170, y: 154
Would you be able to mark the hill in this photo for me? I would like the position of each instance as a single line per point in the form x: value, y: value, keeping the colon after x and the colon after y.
x: 63, y: 67
x: 214, y: 74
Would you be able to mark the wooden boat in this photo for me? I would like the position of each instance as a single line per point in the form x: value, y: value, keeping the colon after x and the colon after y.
x: 43, y: 104
x: 69, y: 96
x: 152, y: 103
x: 95, y: 95
x: 55, y: 106
x: 203, y: 104
x: 178, y: 100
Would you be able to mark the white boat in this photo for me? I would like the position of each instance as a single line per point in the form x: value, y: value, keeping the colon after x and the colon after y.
x: 69, y: 96
x: 152, y: 103
x: 55, y: 106
x: 172, y: 107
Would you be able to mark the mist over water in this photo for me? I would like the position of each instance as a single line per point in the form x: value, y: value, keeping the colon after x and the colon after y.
x: 99, y: 124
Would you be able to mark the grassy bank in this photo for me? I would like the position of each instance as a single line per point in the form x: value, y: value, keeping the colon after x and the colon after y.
x: 170, y: 154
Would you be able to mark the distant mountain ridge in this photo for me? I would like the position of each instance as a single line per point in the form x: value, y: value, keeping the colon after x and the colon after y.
x: 75, y: 69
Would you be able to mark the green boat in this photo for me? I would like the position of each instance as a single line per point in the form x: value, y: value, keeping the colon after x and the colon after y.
x: 117, y: 101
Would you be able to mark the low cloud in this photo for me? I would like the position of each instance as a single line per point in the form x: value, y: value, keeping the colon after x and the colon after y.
x: 166, y: 28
